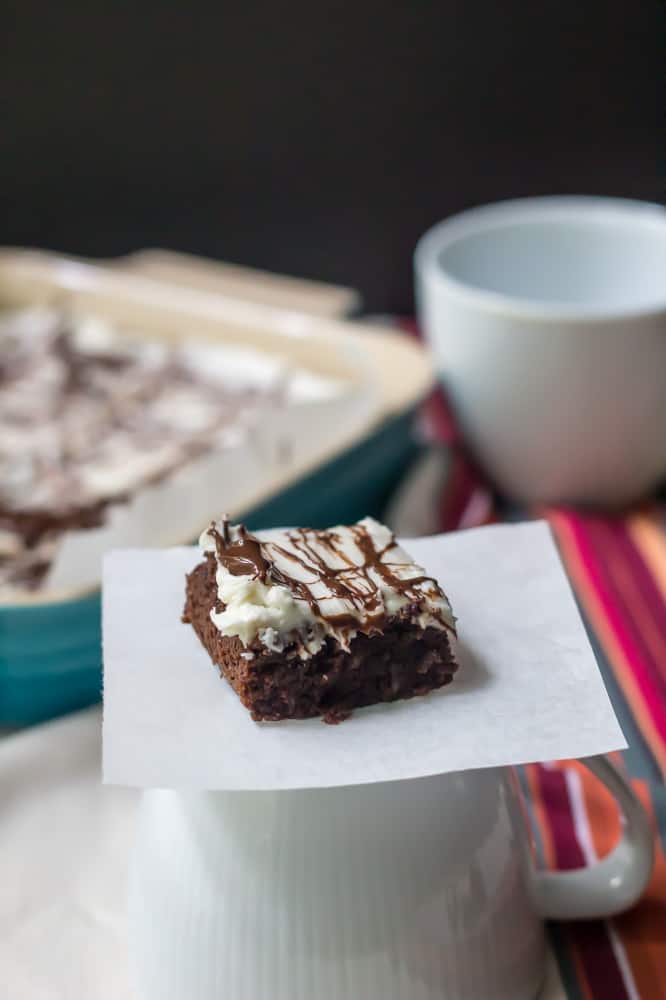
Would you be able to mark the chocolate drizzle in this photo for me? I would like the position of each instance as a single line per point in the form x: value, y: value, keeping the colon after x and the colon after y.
x: 240, y: 556
x: 360, y: 586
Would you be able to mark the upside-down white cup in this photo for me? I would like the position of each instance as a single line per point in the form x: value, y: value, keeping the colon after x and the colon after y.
x: 547, y: 319
x: 422, y: 889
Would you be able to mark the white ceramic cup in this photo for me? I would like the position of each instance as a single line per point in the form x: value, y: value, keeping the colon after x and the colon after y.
x: 547, y: 318
x: 421, y: 889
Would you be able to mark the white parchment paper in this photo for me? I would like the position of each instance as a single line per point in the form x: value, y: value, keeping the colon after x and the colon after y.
x: 528, y: 688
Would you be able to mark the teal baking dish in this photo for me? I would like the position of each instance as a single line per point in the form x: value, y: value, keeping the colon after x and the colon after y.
x: 50, y: 645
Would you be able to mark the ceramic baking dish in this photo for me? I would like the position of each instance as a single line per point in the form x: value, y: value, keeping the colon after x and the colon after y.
x: 50, y: 644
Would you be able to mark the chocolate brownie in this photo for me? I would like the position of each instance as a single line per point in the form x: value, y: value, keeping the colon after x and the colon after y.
x: 304, y: 623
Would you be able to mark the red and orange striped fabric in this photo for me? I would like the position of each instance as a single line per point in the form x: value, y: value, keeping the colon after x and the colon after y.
x: 617, y: 567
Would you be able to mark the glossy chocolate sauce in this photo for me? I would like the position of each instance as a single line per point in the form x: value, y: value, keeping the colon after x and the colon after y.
x: 242, y: 555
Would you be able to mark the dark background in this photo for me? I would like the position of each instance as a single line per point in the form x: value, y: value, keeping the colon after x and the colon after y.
x: 315, y: 137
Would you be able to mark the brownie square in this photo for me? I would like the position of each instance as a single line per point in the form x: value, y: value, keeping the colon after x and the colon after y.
x: 305, y: 623
x: 402, y: 660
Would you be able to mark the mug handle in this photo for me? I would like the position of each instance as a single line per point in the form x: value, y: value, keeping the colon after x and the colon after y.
x: 617, y: 881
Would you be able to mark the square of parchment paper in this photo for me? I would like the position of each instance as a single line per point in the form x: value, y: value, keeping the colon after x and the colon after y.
x: 528, y: 687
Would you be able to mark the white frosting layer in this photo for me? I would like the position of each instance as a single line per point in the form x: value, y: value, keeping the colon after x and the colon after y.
x: 273, y: 614
x: 252, y: 608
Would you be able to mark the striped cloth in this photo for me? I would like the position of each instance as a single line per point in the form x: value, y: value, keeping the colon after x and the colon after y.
x: 617, y: 567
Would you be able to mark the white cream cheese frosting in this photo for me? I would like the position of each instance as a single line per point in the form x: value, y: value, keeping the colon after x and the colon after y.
x: 302, y: 585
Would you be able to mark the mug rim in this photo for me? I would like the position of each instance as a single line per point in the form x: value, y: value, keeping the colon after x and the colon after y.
x: 486, y: 218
